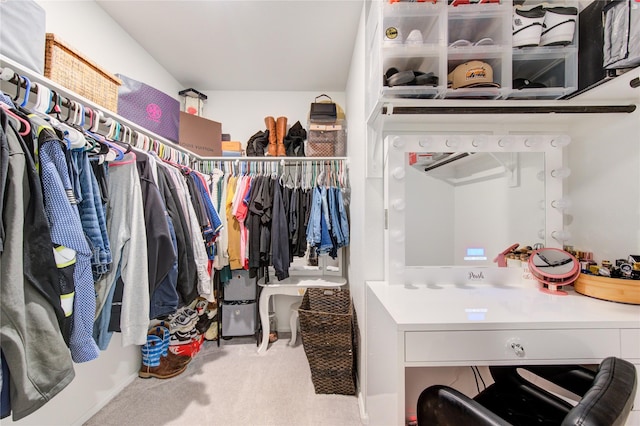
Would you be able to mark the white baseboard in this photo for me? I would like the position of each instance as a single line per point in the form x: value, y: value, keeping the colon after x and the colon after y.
x: 114, y: 392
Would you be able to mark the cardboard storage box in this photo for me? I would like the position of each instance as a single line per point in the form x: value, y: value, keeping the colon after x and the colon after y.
x: 200, y: 135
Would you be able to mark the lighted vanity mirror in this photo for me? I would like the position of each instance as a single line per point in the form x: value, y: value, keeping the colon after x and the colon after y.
x: 470, y: 206
x: 454, y: 202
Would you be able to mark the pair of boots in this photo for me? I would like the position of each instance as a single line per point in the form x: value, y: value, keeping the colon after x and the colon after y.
x: 277, y: 132
x: 157, y: 360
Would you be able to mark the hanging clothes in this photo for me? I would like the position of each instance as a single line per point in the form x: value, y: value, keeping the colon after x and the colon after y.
x: 29, y: 294
x: 279, y: 234
x: 126, y: 229
x: 161, y: 256
x: 187, y: 272
x: 66, y: 230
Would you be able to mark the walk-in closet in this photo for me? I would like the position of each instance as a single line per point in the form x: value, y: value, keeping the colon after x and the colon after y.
x: 318, y: 212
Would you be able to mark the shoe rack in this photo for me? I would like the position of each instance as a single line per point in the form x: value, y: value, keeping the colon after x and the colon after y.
x: 433, y: 38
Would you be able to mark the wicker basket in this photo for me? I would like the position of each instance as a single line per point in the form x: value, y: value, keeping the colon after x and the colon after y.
x: 329, y: 332
x: 71, y: 69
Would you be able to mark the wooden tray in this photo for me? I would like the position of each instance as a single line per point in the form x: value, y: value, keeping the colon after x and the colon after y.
x: 612, y: 289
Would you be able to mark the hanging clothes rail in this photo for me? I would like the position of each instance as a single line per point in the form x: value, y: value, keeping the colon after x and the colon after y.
x: 262, y: 164
x: 14, y: 73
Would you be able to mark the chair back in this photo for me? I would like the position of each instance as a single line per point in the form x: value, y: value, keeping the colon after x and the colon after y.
x: 609, y: 400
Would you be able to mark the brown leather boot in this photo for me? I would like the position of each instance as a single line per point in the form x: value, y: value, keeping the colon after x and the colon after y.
x: 162, y: 330
x: 154, y: 362
x: 281, y: 132
x: 271, y: 127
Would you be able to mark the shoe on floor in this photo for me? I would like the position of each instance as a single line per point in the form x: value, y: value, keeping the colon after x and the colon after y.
x: 154, y: 363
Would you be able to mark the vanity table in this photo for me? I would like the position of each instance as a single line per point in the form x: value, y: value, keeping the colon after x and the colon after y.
x: 481, y: 325
x: 292, y: 286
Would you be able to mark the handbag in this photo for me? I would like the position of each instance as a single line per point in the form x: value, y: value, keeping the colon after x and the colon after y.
x: 323, y: 112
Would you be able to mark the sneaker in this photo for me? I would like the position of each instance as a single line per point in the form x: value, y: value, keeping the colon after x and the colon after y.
x: 392, y: 36
x: 181, y: 322
x: 201, y: 306
x: 212, y: 331
x: 559, y: 26
x: 190, y: 313
x: 414, y: 37
x: 205, y: 322
x: 182, y: 337
x: 527, y: 26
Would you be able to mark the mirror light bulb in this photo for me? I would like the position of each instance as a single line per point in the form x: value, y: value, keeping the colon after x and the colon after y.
x: 398, y: 142
x: 561, y: 173
x: 505, y: 142
x: 561, y: 236
x: 560, y: 141
x: 561, y: 204
x: 479, y: 141
x: 452, y: 142
x: 398, y: 173
x: 533, y: 141
x: 397, y: 236
x: 399, y: 204
x: 425, y: 142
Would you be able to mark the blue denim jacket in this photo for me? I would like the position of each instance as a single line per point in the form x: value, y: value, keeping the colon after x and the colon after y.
x: 313, y: 228
x: 92, y: 214
x: 66, y: 230
x: 335, y: 220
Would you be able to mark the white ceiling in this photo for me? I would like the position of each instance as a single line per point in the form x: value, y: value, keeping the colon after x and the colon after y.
x: 270, y: 45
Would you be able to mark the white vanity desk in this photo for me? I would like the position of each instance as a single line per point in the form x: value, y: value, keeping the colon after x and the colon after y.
x: 430, y: 326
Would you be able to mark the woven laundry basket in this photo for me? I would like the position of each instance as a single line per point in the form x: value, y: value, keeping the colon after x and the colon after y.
x: 329, y: 332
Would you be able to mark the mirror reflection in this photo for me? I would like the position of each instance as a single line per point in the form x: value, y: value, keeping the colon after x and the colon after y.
x: 464, y: 208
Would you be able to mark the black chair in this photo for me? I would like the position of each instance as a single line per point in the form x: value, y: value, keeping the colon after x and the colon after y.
x: 606, y: 398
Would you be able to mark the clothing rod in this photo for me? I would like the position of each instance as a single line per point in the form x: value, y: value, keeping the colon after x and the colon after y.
x: 560, y: 109
x: 285, y: 159
x: 67, y: 96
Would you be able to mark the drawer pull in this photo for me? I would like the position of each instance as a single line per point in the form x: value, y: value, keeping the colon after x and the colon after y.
x: 518, y: 349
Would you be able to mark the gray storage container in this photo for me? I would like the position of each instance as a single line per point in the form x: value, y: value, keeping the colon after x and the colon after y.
x: 240, y: 287
x: 238, y: 319
x: 621, y: 34
x: 22, y: 33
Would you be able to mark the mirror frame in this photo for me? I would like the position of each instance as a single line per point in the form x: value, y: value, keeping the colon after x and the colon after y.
x: 396, y: 146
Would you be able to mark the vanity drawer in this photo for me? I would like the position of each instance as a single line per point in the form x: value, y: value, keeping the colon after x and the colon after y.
x: 501, y: 345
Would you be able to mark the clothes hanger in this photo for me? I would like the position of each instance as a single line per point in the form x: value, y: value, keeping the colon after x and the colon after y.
x: 25, y: 126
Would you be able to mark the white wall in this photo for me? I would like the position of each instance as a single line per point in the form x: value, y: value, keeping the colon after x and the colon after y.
x: 358, y: 260
x: 242, y: 113
x: 88, y: 29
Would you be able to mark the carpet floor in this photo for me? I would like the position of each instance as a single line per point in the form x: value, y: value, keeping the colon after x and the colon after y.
x: 233, y: 385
